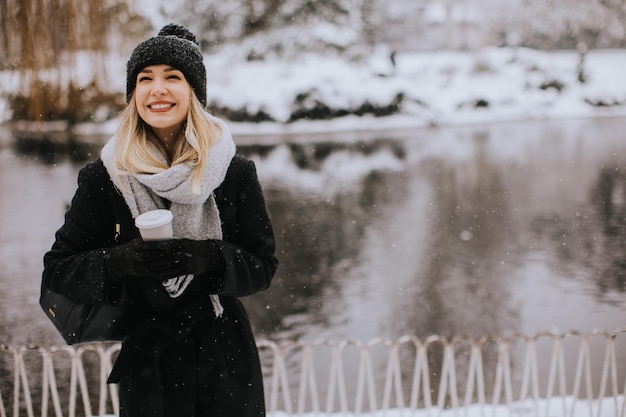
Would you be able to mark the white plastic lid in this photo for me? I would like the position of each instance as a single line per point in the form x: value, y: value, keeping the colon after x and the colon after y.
x: 154, y: 218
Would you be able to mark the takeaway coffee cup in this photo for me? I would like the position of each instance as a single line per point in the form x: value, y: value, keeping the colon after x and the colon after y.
x: 155, y: 224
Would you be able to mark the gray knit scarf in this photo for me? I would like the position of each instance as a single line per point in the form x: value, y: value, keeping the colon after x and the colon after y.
x: 196, y: 216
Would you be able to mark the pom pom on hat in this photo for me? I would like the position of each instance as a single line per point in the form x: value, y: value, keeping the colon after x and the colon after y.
x: 174, y: 45
x: 179, y: 31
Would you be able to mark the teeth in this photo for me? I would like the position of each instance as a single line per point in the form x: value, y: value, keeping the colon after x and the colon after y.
x: 161, y: 106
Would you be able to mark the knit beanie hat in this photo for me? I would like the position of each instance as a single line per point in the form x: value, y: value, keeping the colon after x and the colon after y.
x: 175, y: 45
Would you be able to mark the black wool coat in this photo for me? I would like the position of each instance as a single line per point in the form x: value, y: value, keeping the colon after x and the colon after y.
x: 178, y: 358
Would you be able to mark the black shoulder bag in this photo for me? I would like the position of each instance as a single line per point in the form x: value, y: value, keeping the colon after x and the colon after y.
x: 80, y: 323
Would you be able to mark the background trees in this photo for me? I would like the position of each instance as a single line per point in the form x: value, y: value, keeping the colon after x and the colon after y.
x: 413, y: 24
x: 565, y: 23
x: 45, y: 43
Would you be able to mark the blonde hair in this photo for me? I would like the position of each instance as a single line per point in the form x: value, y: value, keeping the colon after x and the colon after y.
x: 134, y: 136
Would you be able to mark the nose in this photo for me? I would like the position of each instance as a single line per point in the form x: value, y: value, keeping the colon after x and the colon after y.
x: 158, y: 88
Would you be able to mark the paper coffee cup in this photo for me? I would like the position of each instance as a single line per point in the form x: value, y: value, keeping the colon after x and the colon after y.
x: 155, y: 224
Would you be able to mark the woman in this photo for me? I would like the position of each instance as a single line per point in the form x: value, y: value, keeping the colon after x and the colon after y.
x: 190, y: 350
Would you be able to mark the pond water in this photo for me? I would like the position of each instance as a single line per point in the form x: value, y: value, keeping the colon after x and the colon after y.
x: 473, y: 230
x: 518, y: 227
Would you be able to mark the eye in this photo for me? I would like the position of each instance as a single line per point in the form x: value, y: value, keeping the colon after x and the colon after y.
x: 144, y: 78
x: 174, y: 77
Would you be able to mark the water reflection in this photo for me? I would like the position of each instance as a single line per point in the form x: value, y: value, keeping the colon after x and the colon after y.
x: 464, y: 234
x: 475, y: 230
x: 461, y: 287
x: 589, y: 241
x: 608, y: 199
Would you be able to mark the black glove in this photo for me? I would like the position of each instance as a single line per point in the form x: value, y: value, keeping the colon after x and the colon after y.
x: 186, y: 256
x: 134, y: 258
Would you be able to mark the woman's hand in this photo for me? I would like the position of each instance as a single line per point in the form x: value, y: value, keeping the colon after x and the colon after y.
x: 132, y: 259
x: 186, y: 256
x: 164, y: 259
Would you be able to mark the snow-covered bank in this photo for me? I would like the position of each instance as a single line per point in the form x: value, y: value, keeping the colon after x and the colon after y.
x: 436, y: 89
x: 439, y: 89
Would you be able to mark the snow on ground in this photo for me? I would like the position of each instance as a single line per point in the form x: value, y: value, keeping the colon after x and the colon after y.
x: 441, y: 88
x: 556, y: 407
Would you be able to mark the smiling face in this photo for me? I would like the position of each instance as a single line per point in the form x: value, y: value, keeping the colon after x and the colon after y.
x: 162, y: 98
